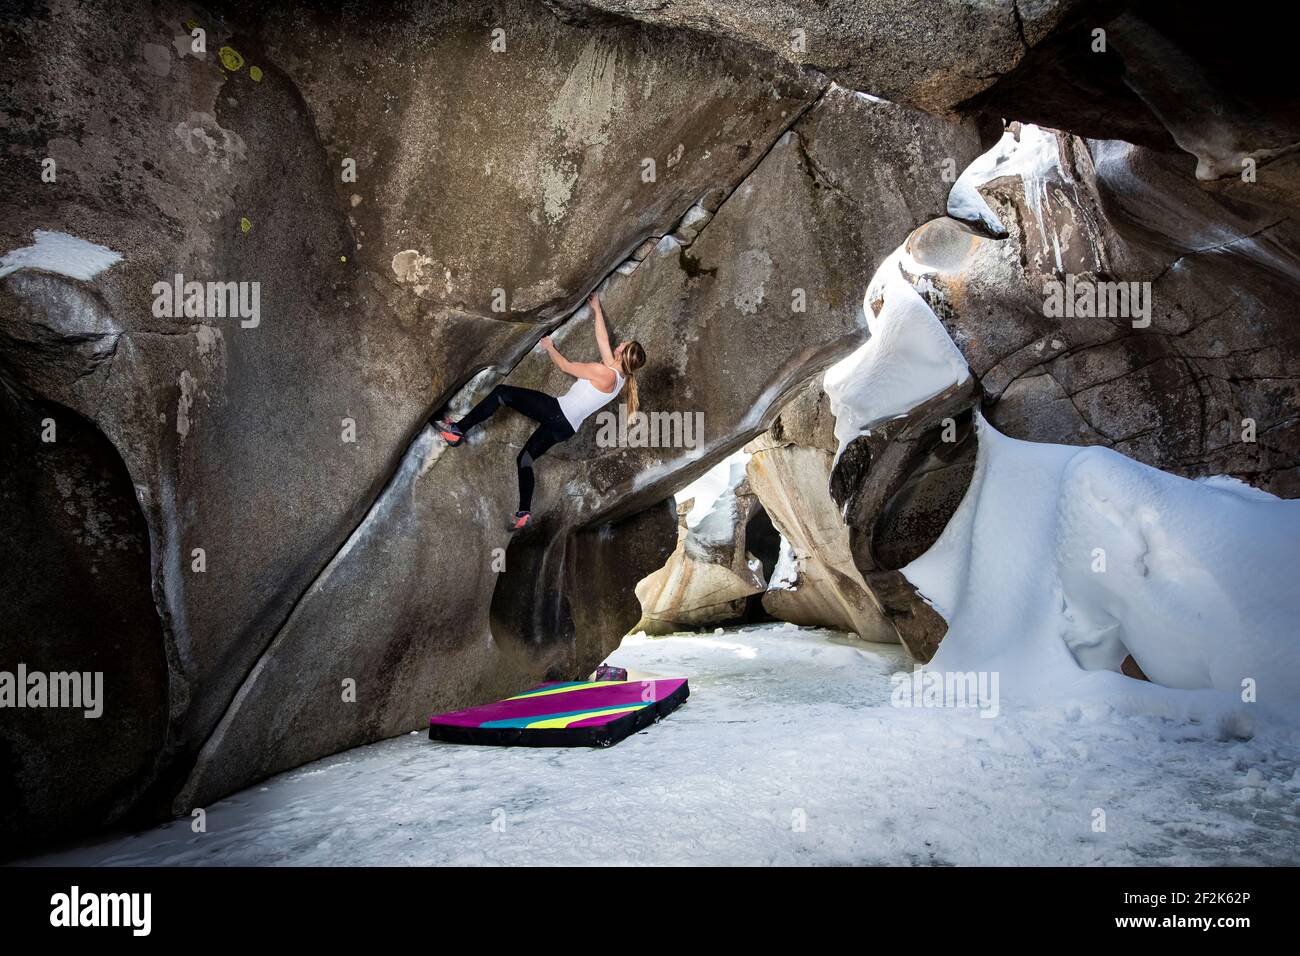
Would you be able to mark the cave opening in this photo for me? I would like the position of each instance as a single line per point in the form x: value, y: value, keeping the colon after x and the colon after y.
x: 78, y: 603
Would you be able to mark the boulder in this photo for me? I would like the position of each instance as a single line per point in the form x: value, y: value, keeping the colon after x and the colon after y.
x: 1169, y: 77
x: 491, y: 193
x: 1205, y: 345
x: 815, y: 583
x: 1172, y: 77
x: 430, y: 605
x: 711, y: 573
x: 1128, y: 308
x: 290, y: 561
x: 930, y: 55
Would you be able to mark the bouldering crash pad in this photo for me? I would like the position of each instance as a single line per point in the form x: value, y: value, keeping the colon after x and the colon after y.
x: 574, y: 714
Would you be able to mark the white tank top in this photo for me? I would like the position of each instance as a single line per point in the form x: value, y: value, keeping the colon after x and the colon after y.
x: 583, y: 398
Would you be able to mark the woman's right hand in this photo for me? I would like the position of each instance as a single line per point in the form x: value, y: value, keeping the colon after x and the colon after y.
x: 593, y: 300
x: 546, y: 344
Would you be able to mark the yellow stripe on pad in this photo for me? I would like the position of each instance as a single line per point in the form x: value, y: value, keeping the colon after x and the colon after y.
x: 565, y: 690
x: 551, y: 723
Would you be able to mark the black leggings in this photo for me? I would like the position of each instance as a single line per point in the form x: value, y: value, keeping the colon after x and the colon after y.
x: 544, y: 409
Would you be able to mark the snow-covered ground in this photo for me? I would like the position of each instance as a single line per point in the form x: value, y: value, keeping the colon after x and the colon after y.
x: 788, y: 752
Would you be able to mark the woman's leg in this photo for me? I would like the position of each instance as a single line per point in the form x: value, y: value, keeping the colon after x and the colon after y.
x: 536, y: 405
x: 541, y: 441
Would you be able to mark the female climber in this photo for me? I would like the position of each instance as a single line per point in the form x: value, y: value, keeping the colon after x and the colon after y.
x: 558, y: 418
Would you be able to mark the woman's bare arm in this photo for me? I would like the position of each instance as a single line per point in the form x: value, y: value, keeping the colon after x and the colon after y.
x: 602, y: 376
x: 602, y: 333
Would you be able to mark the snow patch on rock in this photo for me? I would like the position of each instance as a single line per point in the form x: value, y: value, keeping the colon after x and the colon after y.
x: 1033, y: 156
x: 908, y: 359
x: 785, y: 575
x: 714, y: 482
x: 60, y: 253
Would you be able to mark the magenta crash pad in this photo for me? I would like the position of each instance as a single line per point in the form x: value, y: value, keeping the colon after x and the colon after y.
x: 570, y: 714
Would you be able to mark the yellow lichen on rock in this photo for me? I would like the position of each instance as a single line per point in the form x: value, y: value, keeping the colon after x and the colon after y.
x: 231, y: 58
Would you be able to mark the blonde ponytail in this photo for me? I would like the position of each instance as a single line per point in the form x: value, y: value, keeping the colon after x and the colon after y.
x: 633, y: 359
x: 629, y: 389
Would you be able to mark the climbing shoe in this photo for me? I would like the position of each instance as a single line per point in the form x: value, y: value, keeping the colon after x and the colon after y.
x: 450, y: 433
x: 519, y: 521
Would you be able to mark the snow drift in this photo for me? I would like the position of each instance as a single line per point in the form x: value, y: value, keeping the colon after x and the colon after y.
x: 1061, y: 561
